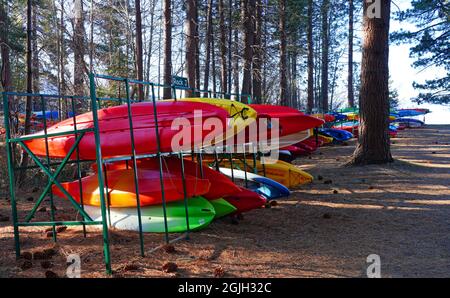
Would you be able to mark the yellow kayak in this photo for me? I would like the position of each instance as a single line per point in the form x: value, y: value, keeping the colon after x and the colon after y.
x: 325, y: 139
x: 282, y: 172
x: 242, y: 115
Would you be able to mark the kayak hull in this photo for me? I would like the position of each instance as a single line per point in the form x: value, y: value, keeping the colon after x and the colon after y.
x: 200, y: 211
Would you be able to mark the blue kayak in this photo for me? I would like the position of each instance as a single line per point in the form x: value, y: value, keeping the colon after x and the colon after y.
x: 409, y: 122
x: 339, y: 116
x: 269, y: 188
x: 266, y: 187
x: 409, y: 113
x: 338, y: 134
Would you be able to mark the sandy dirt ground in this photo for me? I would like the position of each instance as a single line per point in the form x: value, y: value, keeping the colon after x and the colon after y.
x: 399, y: 211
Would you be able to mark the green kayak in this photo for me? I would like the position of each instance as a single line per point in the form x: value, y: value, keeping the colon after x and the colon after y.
x: 222, y: 207
x: 201, y: 213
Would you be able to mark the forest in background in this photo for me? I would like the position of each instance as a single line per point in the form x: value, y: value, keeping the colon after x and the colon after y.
x: 299, y: 53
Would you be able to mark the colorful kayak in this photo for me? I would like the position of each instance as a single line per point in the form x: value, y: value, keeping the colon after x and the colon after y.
x: 221, y: 185
x: 241, y: 114
x: 338, y: 134
x: 200, y: 211
x: 409, y: 122
x: 114, y: 128
x: 326, y: 117
x: 121, y: 190
x: 297, y: 151
x: 291, y: 121
x: 282, y: 172
x: 264, y: 186
x: 325, y: 139
x: 222, y: 207
x: 246, y: 200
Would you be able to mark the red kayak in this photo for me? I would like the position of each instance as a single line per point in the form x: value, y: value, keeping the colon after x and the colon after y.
x: 313, y: 143
x: 246, y: 200
x: 296, y: 151
x: 122, y: 193
x: 271, y: 109
x: 291, y: 121
x: 306, y: 147
x: 114, y: 129
x: 221, y: 185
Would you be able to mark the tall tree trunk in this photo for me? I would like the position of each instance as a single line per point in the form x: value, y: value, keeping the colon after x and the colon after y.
x: 310, y: 101
x: 35, y: 58
x: 236, y: 55
x: 190, y: 24
x: 230, y: 40
x: 325, y: 58
x: 167, y: 73
x: 373, y: 143
x: 208, y: 46
x: 5, y: 74
x: 62, y: 59
x: 91, y: 38
x: 294, y: 88
x: 283, y: 55
x: 257, y: 56
x: 150, y: 47
x: 351, y: 93
x: 29, y: 99
x: 213, y: 60
x: 248, y: 10
x: 197, y: 50
x: 223, y: 48
x: 29, y: 61
x: 139, y: 50
x: 78, y: 47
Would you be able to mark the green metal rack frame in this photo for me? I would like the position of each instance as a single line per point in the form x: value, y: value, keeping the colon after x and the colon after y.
x: 73, y: 157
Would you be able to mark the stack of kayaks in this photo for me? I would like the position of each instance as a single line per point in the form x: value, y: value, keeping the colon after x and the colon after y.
x: 189, y: 193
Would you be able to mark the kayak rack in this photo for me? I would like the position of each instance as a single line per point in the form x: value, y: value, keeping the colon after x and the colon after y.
x: 70, y: 107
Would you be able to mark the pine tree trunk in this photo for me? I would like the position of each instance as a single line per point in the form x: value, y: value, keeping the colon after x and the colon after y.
x: 230, y: 40
x: 325, y: 58
x: 150, y: 46
x: 29, y: 61
x: 236, y: 55
x: 35, y: 58
x: 248, y: 9
x: 351, y: 93
x: 167, y: 76
x: 190, y: 45
x: 310, y: 101
x: 284, y: 100
x: 139, y: 50
x: 208, y: 47
x: 78, y: 47
x: 62, y: 57
x: 91, y: 38
x: 294, y: 88
x: 373, y: 143
x: 197, y: 50
x: 5, y: 74
x: 257, y: 56
x: 223, y: 48
x: 29, y: 99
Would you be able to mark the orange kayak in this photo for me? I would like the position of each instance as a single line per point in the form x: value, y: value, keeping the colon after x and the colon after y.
x: 122, y: 193
x: 221, y: 185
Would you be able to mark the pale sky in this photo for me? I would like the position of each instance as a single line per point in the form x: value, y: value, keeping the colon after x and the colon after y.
x: 403, y: 74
